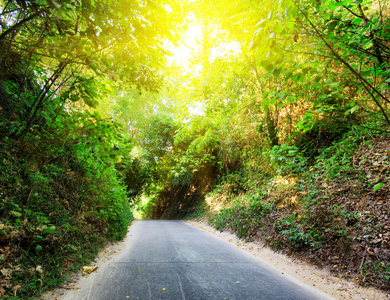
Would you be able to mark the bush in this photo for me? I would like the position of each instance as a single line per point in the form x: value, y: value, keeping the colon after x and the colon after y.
x: 323, y: 134
x: 287, y: 159
x: 61, y: 198
x: 242, y: 220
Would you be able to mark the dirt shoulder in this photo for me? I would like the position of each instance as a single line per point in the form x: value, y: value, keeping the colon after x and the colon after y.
x: 77, y: 280
x: 311, y: 275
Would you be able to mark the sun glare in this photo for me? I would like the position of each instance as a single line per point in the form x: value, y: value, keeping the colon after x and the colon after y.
x: 197, y: 109
x: 192, y: 39
x: 168, y: 8
x: 191, y: 43
x: 224, y: 49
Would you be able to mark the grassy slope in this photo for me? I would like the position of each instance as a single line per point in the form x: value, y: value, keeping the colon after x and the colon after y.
x: 335, y: 213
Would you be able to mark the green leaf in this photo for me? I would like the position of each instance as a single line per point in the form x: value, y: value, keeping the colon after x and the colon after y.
x: 355, y: 108
x: 253, y: 45
x: 276, y: 72
x: 378, y: 186
x: 48, y: 230
x: 72, y: 247
x: 333, y: 5
x: 38, y: 248
x: 15, y: 213
x: 74, y: 98
x: 38, y: 238
x: 91, y: 102
x: 324, y: 6
x: 357, y: 21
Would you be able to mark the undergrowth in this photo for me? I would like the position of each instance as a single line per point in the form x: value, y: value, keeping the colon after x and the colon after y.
x: 61, y: 199
x: 331, y: 211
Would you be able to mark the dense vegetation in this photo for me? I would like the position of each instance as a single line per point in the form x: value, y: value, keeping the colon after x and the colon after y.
x: 277, y: 129
x: 64, y: 167
x: 270, y: 118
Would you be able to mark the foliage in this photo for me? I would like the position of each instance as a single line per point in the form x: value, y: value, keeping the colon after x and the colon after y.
x: 272, y: 104
x: 53, y: 52
x: 328, y: 217
x: 61, y: 198
x: 64, y: 168
x: 288, y: 159
x: 323, y: 133
x: 242, y: 220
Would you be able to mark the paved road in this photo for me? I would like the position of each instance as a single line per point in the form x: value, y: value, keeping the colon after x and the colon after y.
x: 173, y: 260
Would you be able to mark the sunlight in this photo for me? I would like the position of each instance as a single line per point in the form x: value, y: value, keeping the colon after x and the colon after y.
x: 224, y: 49
x: 191, y: 41
x: 197, y: 109
x: 168, y: 8
x: 191, y: 44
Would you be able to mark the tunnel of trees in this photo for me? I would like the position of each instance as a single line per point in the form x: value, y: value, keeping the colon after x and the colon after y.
x: 260, y: 116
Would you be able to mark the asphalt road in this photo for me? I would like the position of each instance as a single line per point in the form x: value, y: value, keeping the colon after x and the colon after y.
x: 174, y: 260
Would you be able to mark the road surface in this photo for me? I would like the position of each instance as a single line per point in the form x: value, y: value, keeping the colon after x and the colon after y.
x: 173, y: 260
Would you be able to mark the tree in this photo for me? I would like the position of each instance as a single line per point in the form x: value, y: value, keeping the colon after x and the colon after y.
x: 71, y: 48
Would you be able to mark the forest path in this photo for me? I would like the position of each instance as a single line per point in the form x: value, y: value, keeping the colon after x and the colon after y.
x: 174, y: 260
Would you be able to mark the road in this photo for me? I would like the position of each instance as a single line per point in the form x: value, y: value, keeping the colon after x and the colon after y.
x: 173, y: 260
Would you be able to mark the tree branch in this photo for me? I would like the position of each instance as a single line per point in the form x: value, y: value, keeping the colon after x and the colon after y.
x: 365, y: 83
x: 17, y: 25
x: 352, y: 12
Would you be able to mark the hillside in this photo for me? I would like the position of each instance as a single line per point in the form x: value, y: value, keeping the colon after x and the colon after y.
x: 338, y: 219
